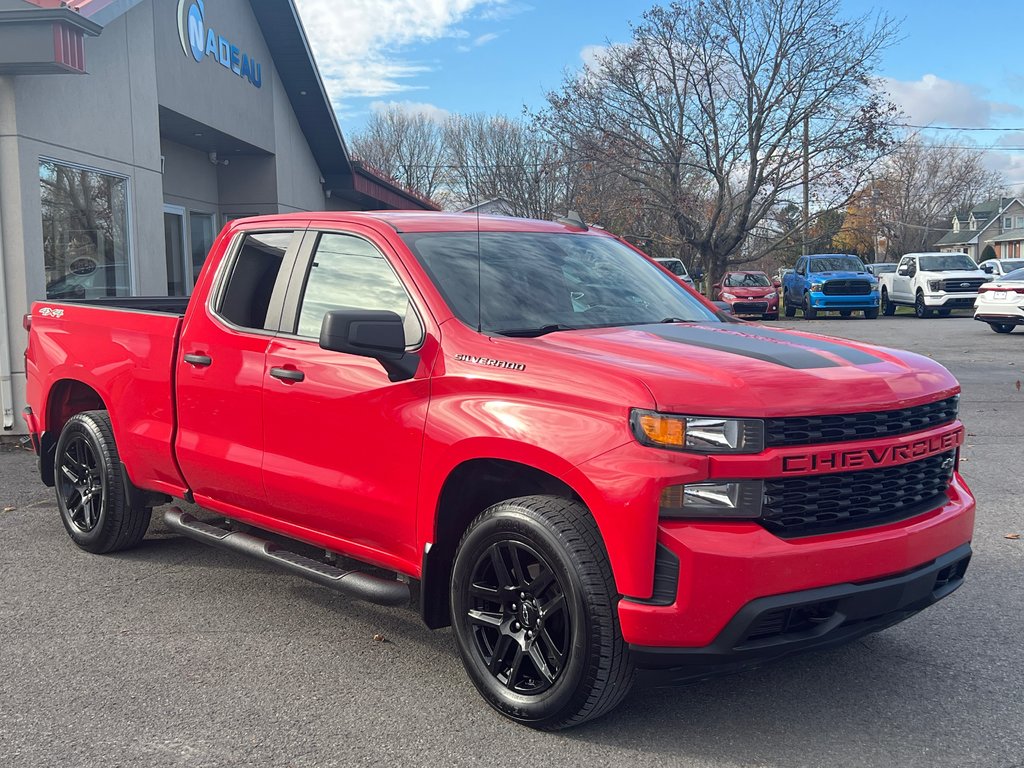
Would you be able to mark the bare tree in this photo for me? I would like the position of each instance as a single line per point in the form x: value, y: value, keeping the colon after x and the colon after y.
x: 407, y: 146
x: 498, y: 157
x: 703, y: 112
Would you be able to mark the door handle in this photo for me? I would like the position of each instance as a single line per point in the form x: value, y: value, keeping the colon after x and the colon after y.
x: 287, y: 374
x: 198, y: 360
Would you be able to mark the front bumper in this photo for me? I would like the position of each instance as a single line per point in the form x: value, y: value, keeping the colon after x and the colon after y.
x: 824, y: 301
x: 950, y: 300
x: 725, y: 566
x: 771, y: 627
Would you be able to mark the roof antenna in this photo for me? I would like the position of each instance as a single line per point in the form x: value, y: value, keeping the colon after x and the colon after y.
x: 574, y: 220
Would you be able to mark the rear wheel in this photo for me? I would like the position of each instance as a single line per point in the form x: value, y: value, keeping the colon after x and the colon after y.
x: 809, y: 312
x: 1001, y: 327
x: 789, y: 308
x: 534, y: 613
x: 920, y: 308
x: 888, y: 308
x: 91, y: 496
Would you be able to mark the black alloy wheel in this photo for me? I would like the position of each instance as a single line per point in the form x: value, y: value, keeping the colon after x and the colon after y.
x: 80, y: 483
x: 521, y: 623
x: 92, y: 490
x: 921, y: 309
x: 888, y: 308
x: 535, y: 616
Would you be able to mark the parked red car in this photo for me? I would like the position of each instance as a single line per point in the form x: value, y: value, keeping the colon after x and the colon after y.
x: 749, y: 294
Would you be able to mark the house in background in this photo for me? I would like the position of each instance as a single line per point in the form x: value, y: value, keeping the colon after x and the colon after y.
x: 499, y: 206
x: 992, y: 230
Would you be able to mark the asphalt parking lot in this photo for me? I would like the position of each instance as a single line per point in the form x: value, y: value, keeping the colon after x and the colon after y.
x: 175, y: 654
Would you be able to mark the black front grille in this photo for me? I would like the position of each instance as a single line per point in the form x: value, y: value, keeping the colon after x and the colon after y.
x: 846, y: 288
x: 815, y: 504
x: 809, y: 430
x: 750, y: 307
x: 962, y: 284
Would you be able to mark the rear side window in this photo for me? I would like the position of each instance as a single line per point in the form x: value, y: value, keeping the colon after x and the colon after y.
x: 348, y: 272
x: 246, y: 298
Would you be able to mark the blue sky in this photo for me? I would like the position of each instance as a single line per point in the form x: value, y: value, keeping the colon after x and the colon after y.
x: 956, y: 64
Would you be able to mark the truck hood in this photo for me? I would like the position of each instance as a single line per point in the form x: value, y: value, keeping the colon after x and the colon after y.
x: 733, y: 369
x: 845, y: 275
x: 958, y: 273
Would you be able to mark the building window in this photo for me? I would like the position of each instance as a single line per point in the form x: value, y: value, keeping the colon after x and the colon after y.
x: 85, y: 232
x: 1007, y: 222
x: 1020, y: 222
x: 203, y: 232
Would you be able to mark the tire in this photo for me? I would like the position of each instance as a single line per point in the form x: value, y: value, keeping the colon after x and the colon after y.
x: 871, y: 314
x: 788, y: 307
x: 945, y: 312
x: 920, y: 308
x: 888, y: 308
x: 572, y: 613
x: 1002, y: 327
x: 809, y: 312
x: 91, y: 496
x: 845, y: 312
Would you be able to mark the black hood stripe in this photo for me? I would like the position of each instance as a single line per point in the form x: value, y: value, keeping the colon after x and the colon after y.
x: 771, y: 347
x: 850, y: 355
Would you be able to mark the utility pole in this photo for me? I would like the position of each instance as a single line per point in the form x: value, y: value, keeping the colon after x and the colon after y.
x: 807, y: 180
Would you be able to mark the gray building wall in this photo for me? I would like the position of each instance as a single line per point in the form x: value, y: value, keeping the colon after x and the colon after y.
x: 109, y: 120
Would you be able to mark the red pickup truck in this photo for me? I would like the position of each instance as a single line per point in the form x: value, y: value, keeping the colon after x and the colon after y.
x: 572, y: 460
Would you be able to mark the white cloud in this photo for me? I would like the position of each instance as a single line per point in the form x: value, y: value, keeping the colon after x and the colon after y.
x: 591, y: 55
x: 357, y: 42
x: 933, y: 100
x: 477, y: 42
x: 431, y: 111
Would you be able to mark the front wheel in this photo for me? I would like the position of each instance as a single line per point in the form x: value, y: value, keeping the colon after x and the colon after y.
x: 888, y: 308
x: 871, y: 314
x: 91, y: 495
x: 534, y: 613
x: 920, y: 308
x: 809, y: 312
x: 1001, y: 327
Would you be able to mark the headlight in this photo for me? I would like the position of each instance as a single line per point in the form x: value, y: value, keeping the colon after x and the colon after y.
x: 701, y: 434
x: 817, y: 286
x: 728, y: 296
x: 737, y: 498
x: 934, y: 285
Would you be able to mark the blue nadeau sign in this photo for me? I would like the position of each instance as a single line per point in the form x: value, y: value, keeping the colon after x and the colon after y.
x: 200, y: 41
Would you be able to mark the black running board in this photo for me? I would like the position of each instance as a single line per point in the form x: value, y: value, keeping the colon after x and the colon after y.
x: 357, y: 584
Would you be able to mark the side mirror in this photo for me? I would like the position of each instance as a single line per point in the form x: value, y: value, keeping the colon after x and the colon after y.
x: 375, y: 333
x: 776, y: 282
x: 990, y: 268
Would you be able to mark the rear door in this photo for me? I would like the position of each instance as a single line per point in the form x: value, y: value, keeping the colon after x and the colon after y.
x: 220, y: 369
x: 343, y: 442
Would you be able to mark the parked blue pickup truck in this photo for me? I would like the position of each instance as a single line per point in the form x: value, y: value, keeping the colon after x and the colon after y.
x: 828, y: 282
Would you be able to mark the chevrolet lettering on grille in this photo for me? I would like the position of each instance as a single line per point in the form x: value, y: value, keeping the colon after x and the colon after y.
x: 861, y: 458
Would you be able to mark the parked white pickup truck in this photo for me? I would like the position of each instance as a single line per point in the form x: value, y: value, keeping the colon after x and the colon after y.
x: 931, y: 282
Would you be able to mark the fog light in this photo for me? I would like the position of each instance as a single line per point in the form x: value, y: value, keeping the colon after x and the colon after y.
x: 737, y: 499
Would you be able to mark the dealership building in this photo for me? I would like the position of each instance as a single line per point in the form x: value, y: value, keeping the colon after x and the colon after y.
x: 132, y: 130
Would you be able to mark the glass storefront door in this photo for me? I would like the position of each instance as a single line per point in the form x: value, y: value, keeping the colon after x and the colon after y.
x: 178, y: 282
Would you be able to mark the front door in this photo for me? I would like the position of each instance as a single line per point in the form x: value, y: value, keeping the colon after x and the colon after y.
x: 343, y: 442
x: 903, y: 279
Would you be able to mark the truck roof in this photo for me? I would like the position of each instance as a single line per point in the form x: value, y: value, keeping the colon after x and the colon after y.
x: 424, y: 221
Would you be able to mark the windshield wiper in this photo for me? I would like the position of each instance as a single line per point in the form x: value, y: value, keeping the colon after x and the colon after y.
x: 676, y: 320
x: 534, y: 332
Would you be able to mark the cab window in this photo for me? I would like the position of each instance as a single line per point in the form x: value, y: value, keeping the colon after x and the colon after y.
x: 246, y: 299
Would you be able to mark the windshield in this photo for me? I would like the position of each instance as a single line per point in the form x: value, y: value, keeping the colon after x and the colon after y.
x: 836, y: 264
x: 527, y: 283
x: 747, y: 280
x: 946, y: 262
x: 675, y: 266
x: 881, y: 269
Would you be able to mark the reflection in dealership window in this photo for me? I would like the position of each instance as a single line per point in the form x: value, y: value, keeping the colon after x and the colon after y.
x: 85, y: 232
x: 350, y: 273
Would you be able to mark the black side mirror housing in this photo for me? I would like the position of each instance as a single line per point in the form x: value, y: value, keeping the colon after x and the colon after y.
x: 375, y: 333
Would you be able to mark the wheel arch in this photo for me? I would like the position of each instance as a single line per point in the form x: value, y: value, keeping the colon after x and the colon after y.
x: 469, y: 489
x: 66, y: 398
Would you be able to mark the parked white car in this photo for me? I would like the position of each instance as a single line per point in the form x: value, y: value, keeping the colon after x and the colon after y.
x: 1000, y: 267
x: 932, y: 282
x: 1001, y: 302
x: 677, y: 268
